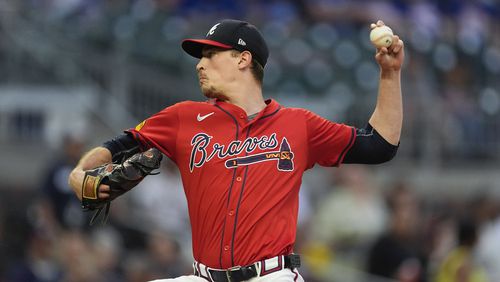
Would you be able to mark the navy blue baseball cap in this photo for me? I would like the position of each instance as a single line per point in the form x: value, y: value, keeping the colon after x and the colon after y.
x: 231, y: 34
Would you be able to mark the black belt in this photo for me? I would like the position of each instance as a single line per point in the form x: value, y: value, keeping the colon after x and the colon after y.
x: 243, y: 273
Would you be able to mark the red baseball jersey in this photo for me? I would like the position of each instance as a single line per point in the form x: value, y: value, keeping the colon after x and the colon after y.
x: 242, y: 178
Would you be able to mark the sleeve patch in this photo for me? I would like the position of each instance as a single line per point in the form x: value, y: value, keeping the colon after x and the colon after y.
x: 140, y: 125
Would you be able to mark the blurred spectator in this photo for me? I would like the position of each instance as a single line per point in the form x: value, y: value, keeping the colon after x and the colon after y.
x: 165, y: 256
x: 440, y: 234
x: 347, y: 218
x: 285, y: 11
x: 159, y: 202
x: 397, y: 254
x: 353, y: 212
x: 489, y: 238
x: 351, y: 13
x: 464, y: 116
x: 215, y: 8
x: 136, y: 267
x: 31, y: 249
x: 75, y: 255
x: 66, y: 207
x: 38, y: 264
x: 107, y: 247
x: 460, y: 265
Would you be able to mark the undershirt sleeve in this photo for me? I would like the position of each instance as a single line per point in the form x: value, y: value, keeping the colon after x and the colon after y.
x: 370, y: 148
x: 122, y: 147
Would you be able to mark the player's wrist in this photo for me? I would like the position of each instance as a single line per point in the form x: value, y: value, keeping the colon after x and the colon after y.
x: 75, y: 181
x: 390, y: 73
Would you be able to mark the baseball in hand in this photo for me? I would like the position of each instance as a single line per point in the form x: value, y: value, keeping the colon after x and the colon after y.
x: 381, y: 36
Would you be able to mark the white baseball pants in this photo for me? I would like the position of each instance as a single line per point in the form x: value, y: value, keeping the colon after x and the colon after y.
x: 285, y: 275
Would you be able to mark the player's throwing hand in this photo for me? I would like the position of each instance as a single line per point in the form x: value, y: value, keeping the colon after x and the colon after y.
x: 390, y: 58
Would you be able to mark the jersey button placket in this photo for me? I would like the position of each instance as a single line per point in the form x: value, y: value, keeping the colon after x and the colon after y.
x: 231, y: 214
x: 232, y: 208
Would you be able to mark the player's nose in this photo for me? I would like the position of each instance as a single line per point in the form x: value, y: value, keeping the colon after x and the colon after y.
x: 201, y: 64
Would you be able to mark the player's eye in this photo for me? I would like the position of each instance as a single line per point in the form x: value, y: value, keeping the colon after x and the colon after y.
x: 208, y: 53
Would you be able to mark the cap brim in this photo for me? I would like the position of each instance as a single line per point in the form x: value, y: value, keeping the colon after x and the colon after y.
x: 194, y: 46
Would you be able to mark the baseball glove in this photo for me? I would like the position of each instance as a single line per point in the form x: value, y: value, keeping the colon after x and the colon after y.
x: 121, y: 178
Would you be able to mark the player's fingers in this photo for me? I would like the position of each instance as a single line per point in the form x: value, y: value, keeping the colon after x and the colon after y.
x: 382, y: 50
x: 103, y: 191
x: 397, y: 45
x: 104, y: 188
x: 400, y: 45
x: 103, y: 195
x: 394, y: 45
x: 372, y: 26
x: 380, y: 23
x: 380, y: 54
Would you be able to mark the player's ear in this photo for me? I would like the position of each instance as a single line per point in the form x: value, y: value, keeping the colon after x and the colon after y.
x: 245, y: 59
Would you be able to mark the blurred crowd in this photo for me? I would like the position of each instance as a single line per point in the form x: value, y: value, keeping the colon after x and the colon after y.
x: 351, y: 227
x: 49, y: 238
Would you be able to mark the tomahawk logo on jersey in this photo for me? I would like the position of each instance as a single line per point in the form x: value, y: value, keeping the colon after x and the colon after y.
x: 284, y: 158
x: 242, y: 177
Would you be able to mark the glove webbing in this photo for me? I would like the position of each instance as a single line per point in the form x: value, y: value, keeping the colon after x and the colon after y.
x: 98, y: 212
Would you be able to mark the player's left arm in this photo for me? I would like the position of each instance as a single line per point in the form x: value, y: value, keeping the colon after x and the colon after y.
x: 387, y: 118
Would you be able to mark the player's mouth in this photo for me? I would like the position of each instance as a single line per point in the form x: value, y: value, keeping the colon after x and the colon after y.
x: 202, y: 78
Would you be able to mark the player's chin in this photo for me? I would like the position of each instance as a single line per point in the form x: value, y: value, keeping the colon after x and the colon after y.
x: 212, y: 93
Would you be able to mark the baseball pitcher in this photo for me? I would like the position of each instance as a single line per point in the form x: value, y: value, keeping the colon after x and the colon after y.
x: 242, y: 157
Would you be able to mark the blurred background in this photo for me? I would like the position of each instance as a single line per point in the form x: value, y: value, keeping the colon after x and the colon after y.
x: 74, y: 73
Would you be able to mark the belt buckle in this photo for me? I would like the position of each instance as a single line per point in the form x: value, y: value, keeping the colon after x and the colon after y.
x: 228, y: 272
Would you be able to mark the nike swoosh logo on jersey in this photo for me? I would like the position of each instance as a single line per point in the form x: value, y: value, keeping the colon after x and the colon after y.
x: 201, y: 118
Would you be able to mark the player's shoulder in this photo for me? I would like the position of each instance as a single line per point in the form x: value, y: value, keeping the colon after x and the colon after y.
x: 296, y: 111
x: 188, y: 105
x: 302, y: 114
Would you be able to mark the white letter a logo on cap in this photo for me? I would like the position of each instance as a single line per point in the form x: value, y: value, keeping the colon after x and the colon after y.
x: 212, y: 30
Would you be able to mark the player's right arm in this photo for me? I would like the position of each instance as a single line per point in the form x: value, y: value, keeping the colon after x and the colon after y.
x: 116, y: 149
x: 159, y: 130
x: 95, y: 157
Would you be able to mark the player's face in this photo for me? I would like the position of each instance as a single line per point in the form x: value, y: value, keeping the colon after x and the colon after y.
x: 216, y: 69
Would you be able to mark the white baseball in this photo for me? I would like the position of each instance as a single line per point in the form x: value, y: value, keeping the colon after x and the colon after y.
x: 381, y: 36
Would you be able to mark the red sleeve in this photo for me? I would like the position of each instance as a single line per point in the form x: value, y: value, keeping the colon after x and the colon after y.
x: 328, y: 141
x: 159, y: 131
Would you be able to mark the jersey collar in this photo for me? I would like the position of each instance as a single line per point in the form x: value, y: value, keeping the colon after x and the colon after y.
x: 241, y: 116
